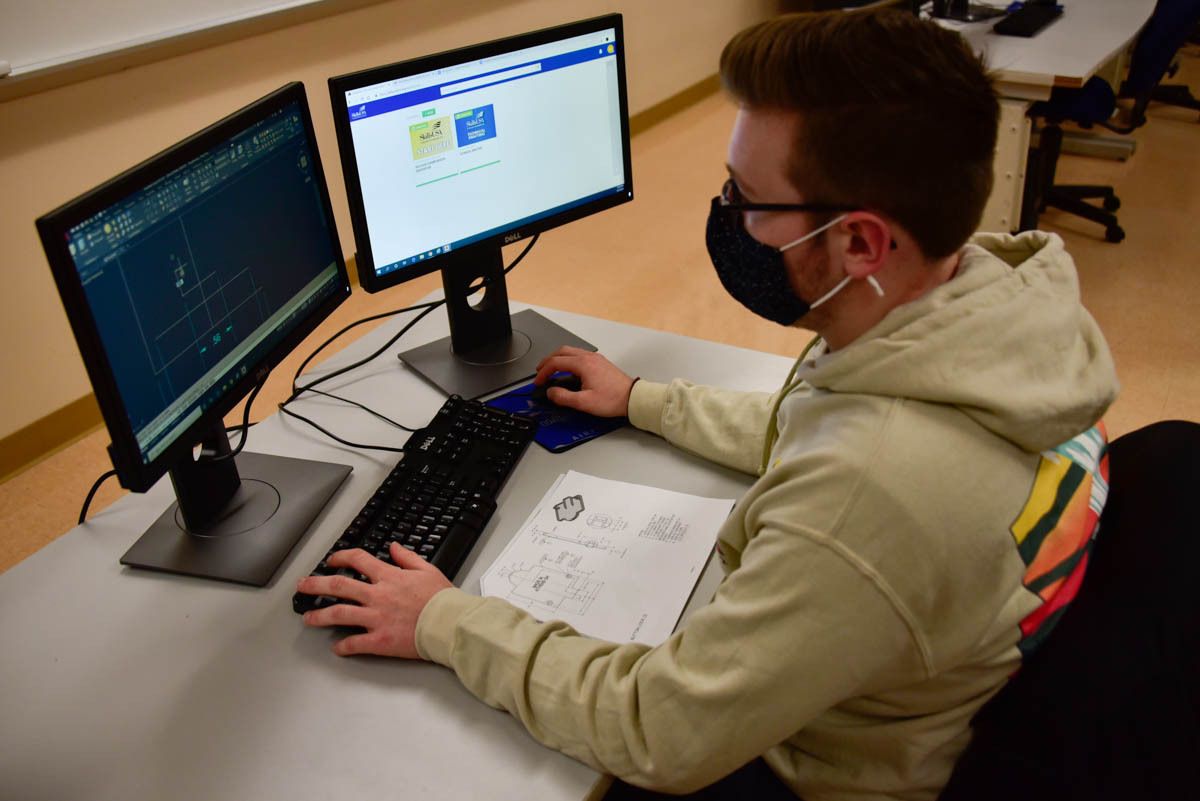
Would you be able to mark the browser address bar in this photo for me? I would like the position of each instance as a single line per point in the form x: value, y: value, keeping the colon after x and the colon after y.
x: 475, y: 83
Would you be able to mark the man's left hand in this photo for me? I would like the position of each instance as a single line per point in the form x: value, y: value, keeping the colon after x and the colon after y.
x: 388, y: 606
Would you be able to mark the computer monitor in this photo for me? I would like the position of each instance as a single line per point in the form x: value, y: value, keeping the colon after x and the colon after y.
x: 185, y: 280
x: 449, y: 157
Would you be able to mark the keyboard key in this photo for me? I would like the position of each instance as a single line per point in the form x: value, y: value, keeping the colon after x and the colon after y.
x: 441, y: 495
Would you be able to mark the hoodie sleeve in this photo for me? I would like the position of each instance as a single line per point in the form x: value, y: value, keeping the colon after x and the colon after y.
x: 794, y: 630
x: 723, y: 426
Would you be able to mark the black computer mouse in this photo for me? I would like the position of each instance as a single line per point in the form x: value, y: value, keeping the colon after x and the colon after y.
x: 567, y: 381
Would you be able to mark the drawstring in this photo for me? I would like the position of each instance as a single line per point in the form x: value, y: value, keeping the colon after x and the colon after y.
x: 789, y: 384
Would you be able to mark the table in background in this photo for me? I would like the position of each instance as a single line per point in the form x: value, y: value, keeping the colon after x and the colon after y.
x: 125, y: 685
x: 1090, y: 35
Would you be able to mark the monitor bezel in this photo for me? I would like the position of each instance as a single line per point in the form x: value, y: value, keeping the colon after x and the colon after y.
x: 53, y: 227
x: 368, y: 278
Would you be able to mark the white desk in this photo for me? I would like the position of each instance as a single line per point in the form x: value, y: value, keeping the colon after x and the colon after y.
x: 1067, y: 53
x: 124, y: 685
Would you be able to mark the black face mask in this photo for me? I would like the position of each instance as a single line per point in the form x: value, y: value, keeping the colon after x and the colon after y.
x: 754, y: 273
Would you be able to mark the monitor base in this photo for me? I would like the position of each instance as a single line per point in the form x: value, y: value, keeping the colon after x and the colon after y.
x: 495, y: 366
x: 277, y: 501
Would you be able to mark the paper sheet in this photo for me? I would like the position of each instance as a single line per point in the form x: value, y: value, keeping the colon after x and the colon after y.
x: 615, y: 560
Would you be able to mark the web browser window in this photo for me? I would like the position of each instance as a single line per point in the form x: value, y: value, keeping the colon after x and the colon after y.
x: 456, y: 155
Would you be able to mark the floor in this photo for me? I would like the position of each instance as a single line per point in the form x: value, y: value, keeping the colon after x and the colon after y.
x: 644, y: 263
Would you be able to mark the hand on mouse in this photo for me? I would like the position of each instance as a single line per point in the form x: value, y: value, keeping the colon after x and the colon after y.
x: 566, y: 381
x: 605, y: 387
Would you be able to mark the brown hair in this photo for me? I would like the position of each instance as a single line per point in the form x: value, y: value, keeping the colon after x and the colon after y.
x: 897, y: 115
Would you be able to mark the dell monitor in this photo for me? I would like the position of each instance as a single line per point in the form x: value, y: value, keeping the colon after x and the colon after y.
x: 449, y: 157
x: 185, y: 280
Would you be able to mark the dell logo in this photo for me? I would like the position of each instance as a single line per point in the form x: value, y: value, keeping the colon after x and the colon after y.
x: 513, y: 237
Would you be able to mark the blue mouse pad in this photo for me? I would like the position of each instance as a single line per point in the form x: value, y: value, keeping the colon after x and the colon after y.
x: 559, y: 428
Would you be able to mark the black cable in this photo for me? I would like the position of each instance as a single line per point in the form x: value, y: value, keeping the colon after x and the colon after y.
x: 92, y: 494
x: 231, y: 430
x: 365, y: 408
x: 283, y: 408
x: 245, y: 425
x: 432, y: 305
x: 311, y: 386
x: 387, y: 345
x: 296, y: 391
x: 517, y: 260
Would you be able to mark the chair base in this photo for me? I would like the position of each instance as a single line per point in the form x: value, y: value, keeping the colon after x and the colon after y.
x: 1070, y: 198
x: 1175, y: 95
x: 1041, y: 191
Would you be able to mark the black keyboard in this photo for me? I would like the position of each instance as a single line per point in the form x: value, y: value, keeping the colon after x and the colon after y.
x: 1027, y: 20
x: 440, y: 496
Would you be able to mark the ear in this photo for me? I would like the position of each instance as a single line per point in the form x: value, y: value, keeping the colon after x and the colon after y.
x: 867, y: 241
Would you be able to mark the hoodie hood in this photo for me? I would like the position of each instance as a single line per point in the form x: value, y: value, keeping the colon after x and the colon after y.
x: 1007, y: 341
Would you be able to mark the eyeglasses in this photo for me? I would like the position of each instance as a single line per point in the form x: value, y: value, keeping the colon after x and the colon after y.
x: 733, y: 200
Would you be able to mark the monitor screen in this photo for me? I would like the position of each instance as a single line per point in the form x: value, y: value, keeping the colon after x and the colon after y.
x: 451, y: 156
x: 454, y: 155
x: 185, y: 280
x: 193, y: 279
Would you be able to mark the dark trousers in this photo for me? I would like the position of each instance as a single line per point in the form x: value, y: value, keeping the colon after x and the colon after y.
x: 754, y: 781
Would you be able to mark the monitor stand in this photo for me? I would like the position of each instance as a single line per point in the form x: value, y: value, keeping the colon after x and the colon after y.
x: 236, y: 519
x: 487, y: 349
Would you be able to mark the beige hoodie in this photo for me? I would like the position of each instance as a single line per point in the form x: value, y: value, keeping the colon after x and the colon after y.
x: 926, y: 503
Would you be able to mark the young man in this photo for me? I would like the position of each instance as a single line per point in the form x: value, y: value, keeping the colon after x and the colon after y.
x: 929, y: 475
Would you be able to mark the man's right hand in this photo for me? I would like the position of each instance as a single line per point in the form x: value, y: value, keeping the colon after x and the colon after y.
x: 605, y: 388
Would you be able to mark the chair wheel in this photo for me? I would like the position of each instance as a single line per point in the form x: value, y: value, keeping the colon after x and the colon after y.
x: 1112, y: 203
x: 1114, y: 233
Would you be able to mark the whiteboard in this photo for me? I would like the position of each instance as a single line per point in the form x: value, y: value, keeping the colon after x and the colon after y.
x: 41, y: 35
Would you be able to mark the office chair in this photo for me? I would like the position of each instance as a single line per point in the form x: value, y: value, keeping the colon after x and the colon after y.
x: 1093, y: 104
x: 1174, y: 94
x: 1109, y: 706
x: 1173, y: 24
x: 1168, y: 28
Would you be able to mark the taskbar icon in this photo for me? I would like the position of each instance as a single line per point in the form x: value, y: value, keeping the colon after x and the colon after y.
x: 429, y: 254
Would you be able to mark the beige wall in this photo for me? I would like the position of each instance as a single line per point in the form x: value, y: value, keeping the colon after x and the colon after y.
x: 61, y: 142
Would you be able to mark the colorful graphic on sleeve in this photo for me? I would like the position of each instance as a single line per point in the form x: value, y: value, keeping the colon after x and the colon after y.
x: 1055, y: 530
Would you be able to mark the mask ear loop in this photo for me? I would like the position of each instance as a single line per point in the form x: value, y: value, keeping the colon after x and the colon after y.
x: 870, y: 280
x: 813, y: 233
x: 830, y: 293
